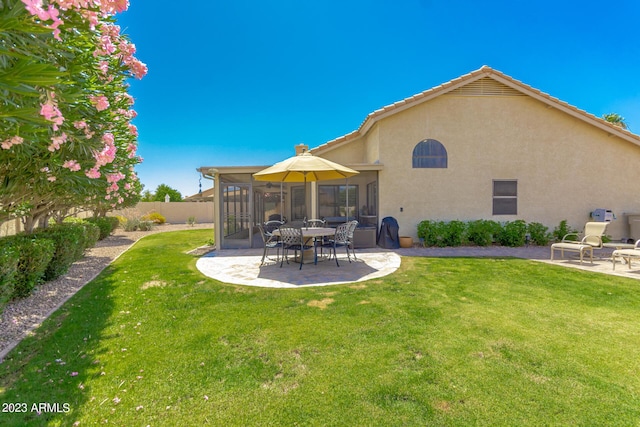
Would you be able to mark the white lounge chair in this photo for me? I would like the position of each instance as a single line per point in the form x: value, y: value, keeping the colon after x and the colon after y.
x: 626, y: 255
x: 592, y: 239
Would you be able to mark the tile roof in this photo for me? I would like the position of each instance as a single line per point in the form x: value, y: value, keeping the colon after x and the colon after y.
x: 463, y: 80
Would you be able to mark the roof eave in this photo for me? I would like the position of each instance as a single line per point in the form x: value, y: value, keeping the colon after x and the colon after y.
x: 484, y: 71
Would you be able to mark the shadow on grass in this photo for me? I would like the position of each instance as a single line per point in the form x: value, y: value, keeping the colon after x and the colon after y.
x: 45, y: 373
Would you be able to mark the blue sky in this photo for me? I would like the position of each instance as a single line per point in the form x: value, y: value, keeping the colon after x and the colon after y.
x: 241, y: 82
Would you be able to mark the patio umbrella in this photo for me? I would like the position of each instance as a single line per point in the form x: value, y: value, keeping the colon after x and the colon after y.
x: 305, y: 167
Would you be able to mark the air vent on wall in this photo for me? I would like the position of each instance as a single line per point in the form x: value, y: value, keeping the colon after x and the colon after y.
x: 485, y: 87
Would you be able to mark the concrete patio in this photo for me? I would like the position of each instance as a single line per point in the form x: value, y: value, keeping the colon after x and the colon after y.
x: 242, y: 266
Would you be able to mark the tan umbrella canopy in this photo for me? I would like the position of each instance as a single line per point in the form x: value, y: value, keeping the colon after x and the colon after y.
x: 305, y: 167
x: 302, y: 168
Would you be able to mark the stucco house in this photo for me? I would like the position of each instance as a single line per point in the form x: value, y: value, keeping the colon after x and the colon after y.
x: 481, y: 146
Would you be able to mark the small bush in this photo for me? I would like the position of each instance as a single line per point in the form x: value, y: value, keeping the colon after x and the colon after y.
x: 154, y: 217
x: 513, y: 233
x: 428, y: 232
x: 454, y: 233
x: 562, y: 230
x: 483, y: 232
x: 90, y: 237
x: 68, y: 239
x: 106, y: 226
x: 34, y: 256
x: 115, y: 222
x: 539, y: 233
x: 131, y: 224
x: 146, y: 225
x: 191, y: 221
x: 9, y: 258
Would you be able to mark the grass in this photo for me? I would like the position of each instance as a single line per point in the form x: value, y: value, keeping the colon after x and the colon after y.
x: 440, y: 342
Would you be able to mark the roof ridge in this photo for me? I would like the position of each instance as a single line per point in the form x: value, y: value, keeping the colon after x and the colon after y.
x: 442, y: 88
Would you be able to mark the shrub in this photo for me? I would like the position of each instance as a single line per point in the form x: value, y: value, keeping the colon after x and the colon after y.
x: 440, y: 233
x: 427, y: 231
x: 483, y: 232
x: 562, y: 230
x: 115, y: 222
x: 90, y: 237
x: 68, y: 239
x: 191, y: 221
x: 454, y: 233
x: 131, y: 224
x: 154, y: 217
x: 104, y: 224
x: 9, y: 258
x: 513, y: 233
x: 146, y: 225
x: 539, y: 233
x: 34, y: 256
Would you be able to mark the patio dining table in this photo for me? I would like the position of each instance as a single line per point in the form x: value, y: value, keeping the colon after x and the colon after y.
x: 312, y: 233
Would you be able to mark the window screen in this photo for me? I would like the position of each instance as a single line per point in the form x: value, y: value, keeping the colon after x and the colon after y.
x: 505, y: 197
x: 429, y: 154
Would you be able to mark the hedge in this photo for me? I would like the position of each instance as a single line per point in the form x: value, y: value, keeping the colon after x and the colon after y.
x: 482, y: 233
x: 69, y: 240
x: 34, y: 255
x: 9, y: 258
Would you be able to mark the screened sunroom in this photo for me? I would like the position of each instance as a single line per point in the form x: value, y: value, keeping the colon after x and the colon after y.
x: 241, y: 203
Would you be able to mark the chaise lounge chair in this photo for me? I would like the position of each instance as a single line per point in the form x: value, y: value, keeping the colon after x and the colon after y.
x: 626, y: 255
x: 592, y: 239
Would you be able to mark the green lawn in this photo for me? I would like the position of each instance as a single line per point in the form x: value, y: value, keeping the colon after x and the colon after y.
x: 440, y: 342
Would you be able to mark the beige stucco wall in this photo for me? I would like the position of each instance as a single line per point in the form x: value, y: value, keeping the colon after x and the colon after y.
x: 174, y: 212
x: 565, y: 167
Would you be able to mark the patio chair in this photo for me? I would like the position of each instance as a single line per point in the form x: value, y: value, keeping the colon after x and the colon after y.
x: 340, y: 238
x: 271, y: 226
x: 291, y: 238
x: 592, y: 239
x: 626, y: 255
x: 270, y: 242
x: 352, y: 228
x: 316, y: 223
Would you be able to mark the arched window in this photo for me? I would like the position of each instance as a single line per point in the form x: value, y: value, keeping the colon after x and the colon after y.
x: 429, y: 154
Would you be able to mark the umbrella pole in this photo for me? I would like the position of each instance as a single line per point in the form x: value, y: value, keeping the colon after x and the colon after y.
x: 346, y: 214
x: 281, y: 204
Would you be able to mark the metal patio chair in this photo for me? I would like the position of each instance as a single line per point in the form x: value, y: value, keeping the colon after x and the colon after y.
x: 291, y: 238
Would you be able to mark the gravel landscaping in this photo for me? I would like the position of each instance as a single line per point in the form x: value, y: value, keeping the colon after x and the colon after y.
x: 22, y: 316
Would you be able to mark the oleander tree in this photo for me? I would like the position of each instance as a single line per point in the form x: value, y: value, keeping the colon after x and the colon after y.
x: 66, y: 133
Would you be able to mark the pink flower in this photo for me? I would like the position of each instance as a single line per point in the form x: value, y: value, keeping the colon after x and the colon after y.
x: 34, y: 7
x: 53, y: 14
x: 103, y: 66
x: 115, y: 177
x: 56, y: 141
x: 49, y: 110
x: 72, y: 165
x: 51, y: 178
x: 101, y: 102
x: 93, y: 173
x: 138, y: 68
x: 108, y: 138
x: 7, y: 144
x: 74, y: 374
